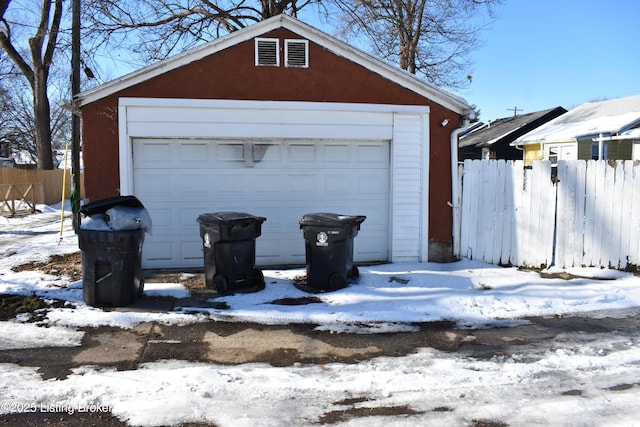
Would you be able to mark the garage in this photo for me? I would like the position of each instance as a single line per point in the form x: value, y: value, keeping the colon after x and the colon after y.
x: 280, y: 180
x: 220, y: 129
x: 190, y: 157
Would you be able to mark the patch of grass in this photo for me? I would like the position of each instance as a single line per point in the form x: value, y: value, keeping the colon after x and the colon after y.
x: 12, y: 305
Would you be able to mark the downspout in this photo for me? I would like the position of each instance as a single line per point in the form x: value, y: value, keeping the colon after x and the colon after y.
x: 455, y: 196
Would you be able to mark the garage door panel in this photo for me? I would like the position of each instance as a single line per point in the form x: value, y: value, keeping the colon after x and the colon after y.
x: 372, y: 154
x: 193, y: 152
x: 154, y: 184
x: 373, y: 185
x: 334, y: 152
x: 302, y: 152
x: 281, y: 181
x: 159, y: 250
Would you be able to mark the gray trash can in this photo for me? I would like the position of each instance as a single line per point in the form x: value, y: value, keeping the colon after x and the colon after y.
x: 112, y: 257
x: 329, y: 248
x: 229, y: 244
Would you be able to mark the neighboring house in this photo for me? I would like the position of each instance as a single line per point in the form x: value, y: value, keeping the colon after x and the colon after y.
x: 493, y: 140
x: 278, y: 120
x: 595, y: 130
x: 5, y: 161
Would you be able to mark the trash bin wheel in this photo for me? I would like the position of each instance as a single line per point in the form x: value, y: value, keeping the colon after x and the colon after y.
x: 259, y: 277
x: 220, y: 283
x: 354, y: 272
x: 337, y: 281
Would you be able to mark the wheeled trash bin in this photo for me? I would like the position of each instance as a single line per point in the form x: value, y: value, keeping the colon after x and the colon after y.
x: 329, y: 248
x: 229, y: 243
x: 111, y: 250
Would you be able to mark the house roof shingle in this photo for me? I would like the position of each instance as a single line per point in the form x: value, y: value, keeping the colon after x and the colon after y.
x: 508, y: 127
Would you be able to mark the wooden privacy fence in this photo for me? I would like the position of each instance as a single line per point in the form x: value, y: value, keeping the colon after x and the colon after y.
x: 588, y: 216
x: 23, y: 188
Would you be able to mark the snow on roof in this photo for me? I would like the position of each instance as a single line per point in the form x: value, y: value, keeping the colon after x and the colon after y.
x: 607, y: 117
x: 631, y: 134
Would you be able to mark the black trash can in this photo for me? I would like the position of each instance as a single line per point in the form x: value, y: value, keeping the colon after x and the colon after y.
x: 112, y: 258
x: 229, y: 243
x: 329, y: 249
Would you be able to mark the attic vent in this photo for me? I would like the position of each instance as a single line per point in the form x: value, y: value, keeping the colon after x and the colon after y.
x: 268, y: 52
x: 296, y: 53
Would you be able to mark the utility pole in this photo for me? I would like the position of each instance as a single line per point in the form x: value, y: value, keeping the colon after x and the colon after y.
x: 75, y: 118
x: 515, y: 110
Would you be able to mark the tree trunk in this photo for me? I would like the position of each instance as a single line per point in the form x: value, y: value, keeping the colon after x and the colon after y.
x: 42, y: 120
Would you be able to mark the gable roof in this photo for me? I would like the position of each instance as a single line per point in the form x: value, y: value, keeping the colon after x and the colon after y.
x: 397, y: 75
x: 508, y: 128
x: 609, y: 118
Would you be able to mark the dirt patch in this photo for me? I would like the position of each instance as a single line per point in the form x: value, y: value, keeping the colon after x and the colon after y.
x: 61, y: 419
x: 484, y: 423
x: 194, y: 282
x: 297, y: 301
x: 58, y: 265
x: 343, y: 415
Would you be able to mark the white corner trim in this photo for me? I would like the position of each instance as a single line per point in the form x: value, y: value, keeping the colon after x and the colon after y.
x: 424, y: 250
x: 125, y: 150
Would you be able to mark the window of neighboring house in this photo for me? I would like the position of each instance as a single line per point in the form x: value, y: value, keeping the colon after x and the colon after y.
x: 296, y: 53
x: 595, y: 149
x: 267, y: 52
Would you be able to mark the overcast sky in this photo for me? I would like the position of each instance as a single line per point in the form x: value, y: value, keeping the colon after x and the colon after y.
x: 546, y: 53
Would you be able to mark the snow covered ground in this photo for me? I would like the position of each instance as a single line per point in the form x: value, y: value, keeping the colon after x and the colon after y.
x: 582, y: 379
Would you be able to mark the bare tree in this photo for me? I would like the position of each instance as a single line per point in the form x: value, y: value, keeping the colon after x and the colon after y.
x: 165, y: 27
x: 431, y: 38
x: 17, y: 132
x: 35, y: 68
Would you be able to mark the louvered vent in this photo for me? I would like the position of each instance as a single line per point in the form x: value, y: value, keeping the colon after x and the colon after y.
x: 297, y: 53
x: 268, y: 52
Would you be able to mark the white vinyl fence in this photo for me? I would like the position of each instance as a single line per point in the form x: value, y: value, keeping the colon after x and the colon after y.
x: 590, y: 215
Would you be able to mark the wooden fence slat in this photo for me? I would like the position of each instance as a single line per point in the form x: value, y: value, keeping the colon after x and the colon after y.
x: 589, y: 208
x: 570, y: 213
x: 507, y: 219
x: 625, y: 218
x: 499, y: 209
x: 518, y: 177
x: 634, y: 224
x: 599, y: 209
x: 469, y: 209
x: 607, y: 213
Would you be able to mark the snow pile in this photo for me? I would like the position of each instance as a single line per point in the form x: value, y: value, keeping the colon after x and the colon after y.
x: 574, y: 379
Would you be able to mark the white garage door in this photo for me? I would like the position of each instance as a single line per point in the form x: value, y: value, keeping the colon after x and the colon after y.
x: 179, y: 179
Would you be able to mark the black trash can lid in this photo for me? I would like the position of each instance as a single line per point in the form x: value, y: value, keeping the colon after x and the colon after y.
x: 331, y: 219
x: 229, y: 218
x: 101, y: 206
